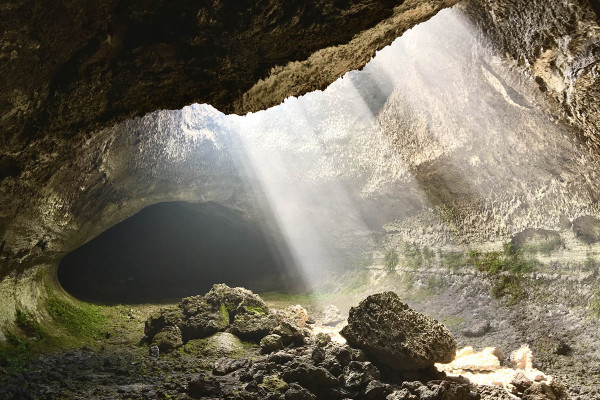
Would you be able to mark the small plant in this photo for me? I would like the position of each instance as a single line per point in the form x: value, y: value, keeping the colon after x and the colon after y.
x: 594, y: 308
x: 507, y: 268
x: 390, y: 261
x: 453, y: 260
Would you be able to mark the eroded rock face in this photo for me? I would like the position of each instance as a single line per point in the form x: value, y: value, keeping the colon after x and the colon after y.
x: 75, y: 66
x: 396, y: 336
x: 556, y: 44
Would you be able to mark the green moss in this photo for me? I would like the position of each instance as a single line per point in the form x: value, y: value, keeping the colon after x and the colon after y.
x: 256, y: 310
x: 453, y: 260
x: 274, y: 384
x: 594, y: 307
x: 28, y: 325
x: 390, y: 261
x: 15, y: 356
x: 509, y: 286
x: 506, y: 268
x: 545, y: 247
x: 81, y: 320
x: 224, y: 314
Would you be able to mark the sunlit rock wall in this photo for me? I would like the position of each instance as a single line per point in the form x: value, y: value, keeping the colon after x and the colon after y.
x: 554, y: 43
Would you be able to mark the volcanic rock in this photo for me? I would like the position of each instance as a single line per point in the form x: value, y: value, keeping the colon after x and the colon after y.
x: 168, y: 339
x: 271, y: 343
x: 394, y: 335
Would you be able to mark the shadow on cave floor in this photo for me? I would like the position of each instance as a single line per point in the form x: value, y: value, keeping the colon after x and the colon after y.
x: 171, y: 250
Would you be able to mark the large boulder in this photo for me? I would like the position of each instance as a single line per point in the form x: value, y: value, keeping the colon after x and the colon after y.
x: 394, y: 335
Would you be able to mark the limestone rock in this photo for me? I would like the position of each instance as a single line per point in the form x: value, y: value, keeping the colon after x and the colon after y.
x: 168, y: 339
x: 309, y: 376
x: 394, y: 335
x: 297, y: 392
x: 271, y: 343
x: 221, y: 344
x: 252, y: 327
x: 522, y: 358
x: 158, y: 320
x: 332, y: 316
x: 236, y: 300
x: 359, y: 374
x: 207, y: 321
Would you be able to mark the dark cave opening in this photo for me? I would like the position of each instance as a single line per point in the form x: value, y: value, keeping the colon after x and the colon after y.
x: 171, y: 250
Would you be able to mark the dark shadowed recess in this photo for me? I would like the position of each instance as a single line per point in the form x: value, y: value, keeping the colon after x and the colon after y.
x: 171, y: 250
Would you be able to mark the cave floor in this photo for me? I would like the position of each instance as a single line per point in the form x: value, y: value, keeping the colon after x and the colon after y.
x: 117, y: 366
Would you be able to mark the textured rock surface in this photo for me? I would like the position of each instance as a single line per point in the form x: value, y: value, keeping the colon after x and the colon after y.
x: 74, y: 67
x: 556, y: 44
x: 396, y: 336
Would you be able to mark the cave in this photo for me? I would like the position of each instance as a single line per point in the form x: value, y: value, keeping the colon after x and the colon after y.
x: 168, y: 251
x: 360, y: 199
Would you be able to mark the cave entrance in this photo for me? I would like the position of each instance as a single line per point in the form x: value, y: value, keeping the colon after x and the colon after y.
x: 171, y: 250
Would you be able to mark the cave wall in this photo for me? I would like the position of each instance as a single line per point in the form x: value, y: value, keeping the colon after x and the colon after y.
x: 68, y: 172
x: 75, y: 66
x: 557, y: 45
x: 72, y: 69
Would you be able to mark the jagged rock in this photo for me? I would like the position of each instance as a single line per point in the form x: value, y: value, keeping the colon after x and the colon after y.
x: 280, y: 357
x: 542, y: 391
x: 289, y: 333
x: 158, y: 320
x: 522, y: 358
x: 252, y: 327
x: 552, y: 345
x: 206, y: 321
x: 311, y: 377
x: 225, y: 365
x: 168, y: 339
x: 521, y: 381
x: 359, y: 374
x: 201, y: 316
x: 332, y: 316
x: 402, y: 394
x: 392, y: 334
x: 271, y: 343
x: 297, y: 392
x: 298, y: 314
x: 321, y: 339
x: 376, y: 390
x: 236, y: 300
x: 204, y: 385
x: 587, y: 229
x: 154, y: 351
x: 274, y: 383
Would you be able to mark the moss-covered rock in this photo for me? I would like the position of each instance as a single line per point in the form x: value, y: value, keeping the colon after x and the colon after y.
x: 271, y: 343
x: 221, y: 344
x: 253, y: 327
x: 168, y: 339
